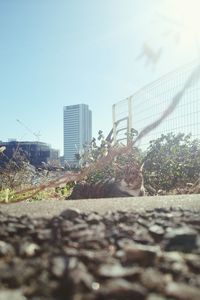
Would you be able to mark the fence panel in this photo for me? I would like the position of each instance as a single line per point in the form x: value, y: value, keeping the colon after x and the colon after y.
x: 149, y: 103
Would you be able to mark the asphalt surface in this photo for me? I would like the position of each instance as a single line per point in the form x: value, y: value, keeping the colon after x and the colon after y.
x: 50, y: 208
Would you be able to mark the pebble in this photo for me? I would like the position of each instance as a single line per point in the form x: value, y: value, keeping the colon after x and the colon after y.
x: 153, y: 296
x: 12, y: 294
x: 153, y: 280
x: 140, y: 253
x: 121, y: 289
x: 117, y: 270
x: 6, y: 249
x: 70, y: 214
x: 182, y: 239
x: 182, y: 291
x: 156, y: 231
x: 58, y: 266
x: 29, y: 249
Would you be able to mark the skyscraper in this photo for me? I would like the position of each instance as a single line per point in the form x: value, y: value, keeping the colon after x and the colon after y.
x: 77, y: 130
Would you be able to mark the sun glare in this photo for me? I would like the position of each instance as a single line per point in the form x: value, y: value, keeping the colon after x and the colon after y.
x: 183, y: 18
x: 188, y: 14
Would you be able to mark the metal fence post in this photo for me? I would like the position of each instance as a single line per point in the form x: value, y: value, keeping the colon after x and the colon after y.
x: 129, y: 125
x: 114, y: 125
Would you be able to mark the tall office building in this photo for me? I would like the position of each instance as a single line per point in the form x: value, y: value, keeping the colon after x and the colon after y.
x: 77, y: 130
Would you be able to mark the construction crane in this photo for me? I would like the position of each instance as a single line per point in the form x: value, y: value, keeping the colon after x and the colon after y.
x: 37, y: 135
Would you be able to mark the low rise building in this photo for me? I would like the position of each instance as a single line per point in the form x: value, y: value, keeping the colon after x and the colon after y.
x: 35, y: 152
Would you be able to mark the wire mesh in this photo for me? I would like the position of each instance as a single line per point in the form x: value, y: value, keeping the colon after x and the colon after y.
x: 149, y: 103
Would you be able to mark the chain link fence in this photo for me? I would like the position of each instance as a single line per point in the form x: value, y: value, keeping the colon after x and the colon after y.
x: 149, y: 103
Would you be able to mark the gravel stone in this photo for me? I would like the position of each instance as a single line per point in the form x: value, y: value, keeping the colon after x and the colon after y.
x: 70, y: 214
x: 6, y: 249
x: 157, y: 231
x: 117, y: 270
x: 58, y: 266
x: 121, y: 289
x: 155, y: 297
x: 182, y: 291
x: 153, y: 280
x: 140, y: 253
x: 12, y: 294
x: 183, y: 239
x: 29, y: 249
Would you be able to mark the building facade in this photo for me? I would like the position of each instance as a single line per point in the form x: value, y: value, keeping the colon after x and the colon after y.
x: 77, y: 121
x: 36, y: 153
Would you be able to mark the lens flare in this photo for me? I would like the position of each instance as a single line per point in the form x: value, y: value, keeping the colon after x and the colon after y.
x: 187, y: 13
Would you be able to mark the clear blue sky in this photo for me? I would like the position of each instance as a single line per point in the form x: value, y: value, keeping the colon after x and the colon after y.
x: 61, y: 52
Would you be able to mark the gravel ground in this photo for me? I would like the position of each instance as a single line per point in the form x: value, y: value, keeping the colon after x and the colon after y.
x: 145, y: 255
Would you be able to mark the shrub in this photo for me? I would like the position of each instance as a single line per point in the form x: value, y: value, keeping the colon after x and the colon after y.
x: 14, y: 172
x: 99, y: 148
x: 172, y: 161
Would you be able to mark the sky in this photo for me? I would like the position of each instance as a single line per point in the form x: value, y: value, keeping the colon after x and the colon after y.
x: 60, y: 52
